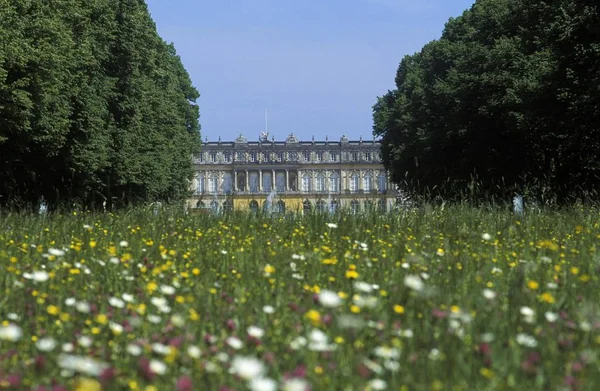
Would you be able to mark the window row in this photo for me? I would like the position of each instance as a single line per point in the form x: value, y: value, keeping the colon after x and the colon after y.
x: 320, y: 184
x: 307, y: 156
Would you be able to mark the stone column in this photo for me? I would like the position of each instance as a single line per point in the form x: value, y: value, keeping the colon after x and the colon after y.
x: 287, y: 180
x: 235, y: 187
x: 260, y: 180
x: 247, y: 182
x: 273, y: 183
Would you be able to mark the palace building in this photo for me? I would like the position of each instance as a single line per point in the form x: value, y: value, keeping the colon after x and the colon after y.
x: 291, y: 175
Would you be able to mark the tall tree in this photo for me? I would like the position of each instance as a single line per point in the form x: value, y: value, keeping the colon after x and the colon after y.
x: 94, y: 105
x: 506, y: 96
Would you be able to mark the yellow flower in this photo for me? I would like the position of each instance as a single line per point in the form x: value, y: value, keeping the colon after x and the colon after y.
x: 193, y: 314
x: 398, y: 309
x: 151, y: 286
x: 574, y: 270
x: 487, y: 373
x: 85, y: 384
x: 101, y: 318
x: 269, y: 269
x: 93, y: 243
x: 314, y: 316
x: 354, y: 308
x: 195, y: 271
x: 330, y: 261
x: 547, y: 298
x: 533, y: 285
x: 53, y: 310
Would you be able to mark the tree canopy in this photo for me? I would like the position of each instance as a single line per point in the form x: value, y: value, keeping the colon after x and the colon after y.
x: 94, y: 105
x: 508, y: 97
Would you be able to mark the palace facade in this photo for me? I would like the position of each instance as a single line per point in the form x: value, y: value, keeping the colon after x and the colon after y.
x: 291, y: 175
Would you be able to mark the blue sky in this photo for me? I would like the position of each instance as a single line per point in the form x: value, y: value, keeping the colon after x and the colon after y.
x: 317, y: 66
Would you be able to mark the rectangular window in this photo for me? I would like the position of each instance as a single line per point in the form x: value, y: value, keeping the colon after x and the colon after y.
x: 280, y: 156
x: 319, y: 156
x: 334, y: 183
x: 240, y: 157
x: 368, y: 156
x: 320, y: 183
x: 354, y: 179
x: 253, y: 156
x: 306, y: 183
x: 354, y: 156
x: 265, y: 157
x: 212, y: 184
x: 227, y: 156
x: 200, y: 187
x: 213, y: 157
x: 306, y: 156
x: 201, y: 158
x: 334, y: 156
x: 253, y: 179
x: 367, y: 183
x: 381, y: 181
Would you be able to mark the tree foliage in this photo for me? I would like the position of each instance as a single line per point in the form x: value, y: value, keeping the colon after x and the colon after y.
x: 508, y: 97
x: 94, y: 105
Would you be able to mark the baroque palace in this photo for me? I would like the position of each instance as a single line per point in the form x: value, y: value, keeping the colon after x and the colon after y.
x: 291, y: 175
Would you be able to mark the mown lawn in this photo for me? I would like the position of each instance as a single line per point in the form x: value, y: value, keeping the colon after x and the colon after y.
x: 427, y: 299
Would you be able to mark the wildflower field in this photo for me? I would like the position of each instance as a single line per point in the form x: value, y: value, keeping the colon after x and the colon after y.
x: 427, y: 299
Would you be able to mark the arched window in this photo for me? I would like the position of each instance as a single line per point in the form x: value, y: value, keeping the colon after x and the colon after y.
x: 367, y: 182
x: 213, y: 180
x: 280, y: 206
x: 321, y: 205
x: 200, y: 204
x: 320, y: 182
x: 227, y: 183
x: 306, y: 183
x: 354, y: 183
x: 227, y: 206
x: 200, y: 184
x: 368, y: 206
x: 355, y: 206
x: 334, y: 182
x: 254, y: 205
x: 382, y: 205
x: 333, y: 206
x: 381, y: 181
x: 306, y: 206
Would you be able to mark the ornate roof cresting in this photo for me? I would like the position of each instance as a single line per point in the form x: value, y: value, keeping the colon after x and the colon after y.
x: 241, y: 139
x: 344, y: 139
x: 291, y: 138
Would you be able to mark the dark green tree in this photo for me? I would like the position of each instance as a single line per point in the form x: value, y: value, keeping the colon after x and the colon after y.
x: 506, y: 97
x: 94, y: 106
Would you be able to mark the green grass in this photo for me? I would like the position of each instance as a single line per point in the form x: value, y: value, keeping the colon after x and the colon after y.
x: 196, y: 281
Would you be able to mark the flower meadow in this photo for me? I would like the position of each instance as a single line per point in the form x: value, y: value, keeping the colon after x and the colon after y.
x: 451, y: 298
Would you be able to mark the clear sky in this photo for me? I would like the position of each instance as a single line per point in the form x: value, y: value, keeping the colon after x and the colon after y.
x: 316, y: 65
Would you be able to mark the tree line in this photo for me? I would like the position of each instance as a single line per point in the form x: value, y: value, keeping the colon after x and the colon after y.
x: 94, y: 106
x: 506, y: 101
